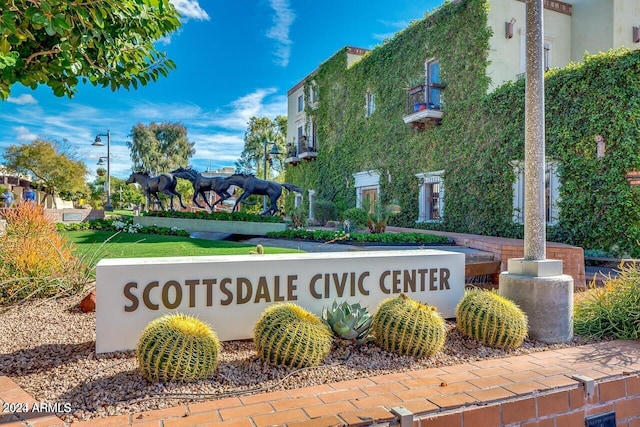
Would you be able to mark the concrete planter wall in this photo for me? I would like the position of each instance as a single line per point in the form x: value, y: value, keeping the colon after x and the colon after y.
x: 193, y: 225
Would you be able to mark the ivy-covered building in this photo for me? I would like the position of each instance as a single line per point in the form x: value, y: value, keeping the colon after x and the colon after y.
x: 433, y: 121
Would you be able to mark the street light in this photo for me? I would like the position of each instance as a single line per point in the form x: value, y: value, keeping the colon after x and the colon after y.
x: 274, y: 151
x: 98, y: 143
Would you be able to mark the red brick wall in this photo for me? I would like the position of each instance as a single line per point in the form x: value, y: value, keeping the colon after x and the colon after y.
x: 561, y: 408
x: 572, y: 257
x: 87, y: 214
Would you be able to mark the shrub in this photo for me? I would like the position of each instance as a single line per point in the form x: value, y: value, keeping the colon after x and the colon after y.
x: 612, y: 311
x: 339, y: 235
x: 405, y: 326
x: 177, y: 347
x: 491, y: 319
x: 357, y: 218
x: 35, y: 260
x: 298, y: 217
x: 287, y: 334
x: 216, y: 216
x: 324, y: 210
x: 123, y: 224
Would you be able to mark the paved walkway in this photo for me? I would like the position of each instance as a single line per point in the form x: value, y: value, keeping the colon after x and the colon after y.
x: 437, y: 395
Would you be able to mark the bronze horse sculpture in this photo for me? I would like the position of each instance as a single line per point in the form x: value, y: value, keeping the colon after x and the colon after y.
x: 202, y: 184
x: 163, y: 183
x: 252, y: 185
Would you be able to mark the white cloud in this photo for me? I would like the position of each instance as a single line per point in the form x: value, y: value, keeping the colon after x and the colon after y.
x: 279, y: 32
x: 218, y: 134
x: 23, y: 99
x: 247, y: 106
x: 190, y: 9
x: 24, y: 135
x: 394, y: 26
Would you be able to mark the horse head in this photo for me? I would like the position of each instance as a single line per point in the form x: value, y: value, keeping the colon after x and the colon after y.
x: 131, y: 179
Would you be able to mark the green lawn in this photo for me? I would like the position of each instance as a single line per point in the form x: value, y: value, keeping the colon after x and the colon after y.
x: 119, y: 212
x: 91, y: 245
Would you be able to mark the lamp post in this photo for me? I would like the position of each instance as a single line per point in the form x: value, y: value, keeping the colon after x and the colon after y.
x: 98, y: 143
x: 274, y: 151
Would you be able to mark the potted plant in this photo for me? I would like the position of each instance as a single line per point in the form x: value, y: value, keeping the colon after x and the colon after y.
x: 101, y: 171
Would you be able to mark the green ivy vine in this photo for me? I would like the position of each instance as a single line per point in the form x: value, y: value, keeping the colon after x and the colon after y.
x: 480, y: 134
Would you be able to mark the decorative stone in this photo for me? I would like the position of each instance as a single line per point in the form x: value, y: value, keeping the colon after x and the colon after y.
x: 88, y: 304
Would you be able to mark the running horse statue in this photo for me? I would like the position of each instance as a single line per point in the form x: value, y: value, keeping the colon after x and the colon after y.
x: 202, y: 184
x: 252, y: 185
x: 163, y: 183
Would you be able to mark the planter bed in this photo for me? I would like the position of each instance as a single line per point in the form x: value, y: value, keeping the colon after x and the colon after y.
x: 214, y: 226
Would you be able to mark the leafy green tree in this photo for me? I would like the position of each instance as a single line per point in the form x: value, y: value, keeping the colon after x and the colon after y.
x: 160, y: 147
x: 259, y: 130
x: 52, y: 168
x: 122, y: 195
x: 61, y: 42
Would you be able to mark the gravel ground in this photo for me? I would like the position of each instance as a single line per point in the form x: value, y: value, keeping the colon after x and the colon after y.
x: 48, y: 349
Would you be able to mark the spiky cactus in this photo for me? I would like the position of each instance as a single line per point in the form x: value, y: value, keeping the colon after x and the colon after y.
x: 259, y: 250
x: 350, y: 322
x: 406, y: 326
x: 177, y: 347
x: 491, y: 319
x: 287, y: 334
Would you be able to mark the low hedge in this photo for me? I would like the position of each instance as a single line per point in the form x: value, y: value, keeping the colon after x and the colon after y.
x: 215, y: 216
x: 341, y: 236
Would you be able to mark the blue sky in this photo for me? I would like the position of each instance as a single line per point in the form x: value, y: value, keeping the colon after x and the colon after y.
x: 235, y: 60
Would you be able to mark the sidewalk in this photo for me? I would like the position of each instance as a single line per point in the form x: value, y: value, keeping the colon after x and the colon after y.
x: 493, y: 392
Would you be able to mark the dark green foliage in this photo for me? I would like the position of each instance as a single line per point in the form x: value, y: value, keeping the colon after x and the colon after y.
x: 357, y: 218
x: 481, y: 134
x: 405, y: 326
x: 177, y: 347
x: 491, y: 319
x: 123, y: 224
x: 324, y: 210
x: 341, y: 236
x: 287, y: 334
x: 213, y: 216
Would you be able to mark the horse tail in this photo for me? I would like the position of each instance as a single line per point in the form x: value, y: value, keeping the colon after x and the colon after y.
x: 291, y: 187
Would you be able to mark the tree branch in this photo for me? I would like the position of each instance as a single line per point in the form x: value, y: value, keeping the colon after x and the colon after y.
x: 51, y: 52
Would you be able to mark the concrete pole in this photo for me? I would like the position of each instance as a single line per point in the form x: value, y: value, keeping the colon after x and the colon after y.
x: 534, y: 283
x: 535, y: 236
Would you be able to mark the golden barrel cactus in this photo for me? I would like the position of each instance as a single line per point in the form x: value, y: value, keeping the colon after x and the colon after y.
x: 177, y: 347
x: 491, y: 319
x: 287, y: 334
x: 406, y: 326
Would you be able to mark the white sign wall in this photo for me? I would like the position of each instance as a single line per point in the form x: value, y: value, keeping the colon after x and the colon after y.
x: 230, y: 292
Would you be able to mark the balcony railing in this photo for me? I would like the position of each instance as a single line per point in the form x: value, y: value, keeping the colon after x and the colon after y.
x: 421, y: 108
x: 301, y: 152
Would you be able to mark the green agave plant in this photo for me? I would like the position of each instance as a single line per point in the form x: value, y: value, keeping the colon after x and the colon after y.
x: 348, y: 321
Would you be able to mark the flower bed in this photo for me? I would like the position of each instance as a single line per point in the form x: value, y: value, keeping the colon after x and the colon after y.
x: 351, y: 238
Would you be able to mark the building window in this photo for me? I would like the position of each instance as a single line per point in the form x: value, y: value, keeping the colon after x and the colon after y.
x: 370, y: 103
x: 367, y: 185
x: 434, y: 90
x: 431, y: 196
x: 547, y: 55
x: 551, y: 192
x: 300, y: 103
x: 313, y: 93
